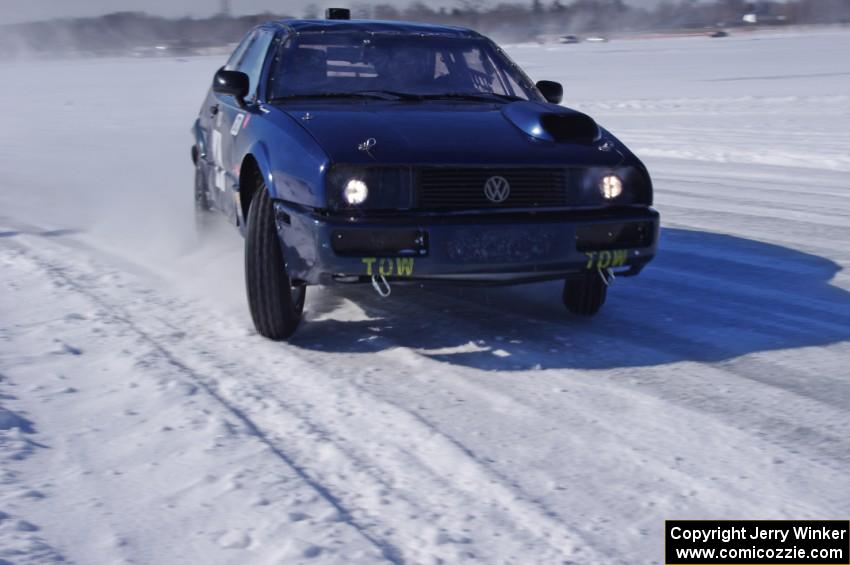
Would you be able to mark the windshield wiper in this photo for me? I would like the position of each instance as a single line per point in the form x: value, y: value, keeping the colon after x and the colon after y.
x: 397, y: 95
x: 471, y: 96
x: 391, y: 94
x: 376, y: 94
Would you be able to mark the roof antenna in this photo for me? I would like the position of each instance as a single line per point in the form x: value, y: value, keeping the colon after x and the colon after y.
x: 337, y: 14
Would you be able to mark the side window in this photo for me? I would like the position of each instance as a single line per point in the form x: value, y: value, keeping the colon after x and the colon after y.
x: 251, y: 62
x: 236, y: 56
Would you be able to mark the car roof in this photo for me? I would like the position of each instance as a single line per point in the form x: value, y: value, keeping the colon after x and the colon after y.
x: 376, y: 26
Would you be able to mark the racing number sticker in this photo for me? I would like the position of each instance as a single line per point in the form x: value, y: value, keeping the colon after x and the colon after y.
x: 220, y: 181
x: 218, y: 158
x: 606, y: 259
x: 387, y: 266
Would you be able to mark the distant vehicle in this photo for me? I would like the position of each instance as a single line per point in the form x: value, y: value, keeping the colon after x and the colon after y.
x: 385, y: 153
x: 596, y: 39
x: 570, y: 39
x: 719, y: 33
x: 152, y: 51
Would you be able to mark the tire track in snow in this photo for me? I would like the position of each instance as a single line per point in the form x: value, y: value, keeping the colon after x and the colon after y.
x: 61, y: 274
x: 827, y: 443
x: 464, y: 316
x: 471, y: 477
x: 707, y: 402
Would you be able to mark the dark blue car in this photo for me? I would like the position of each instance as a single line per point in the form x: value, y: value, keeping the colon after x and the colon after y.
x: 387, y: 152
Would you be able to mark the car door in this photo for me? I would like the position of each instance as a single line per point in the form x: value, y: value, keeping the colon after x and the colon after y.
x: 209, y: 121
x: 229, y: 118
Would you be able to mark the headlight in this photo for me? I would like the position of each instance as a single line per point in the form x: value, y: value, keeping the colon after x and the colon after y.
x: 601, y: 187
x: 611, y: 187
x: 350, y: 188
x: 355, y: 192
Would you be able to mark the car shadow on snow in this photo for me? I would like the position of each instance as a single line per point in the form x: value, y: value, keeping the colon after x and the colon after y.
x: 706, y: 297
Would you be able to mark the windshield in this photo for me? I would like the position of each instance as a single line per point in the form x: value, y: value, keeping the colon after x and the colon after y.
x: 352, y: 63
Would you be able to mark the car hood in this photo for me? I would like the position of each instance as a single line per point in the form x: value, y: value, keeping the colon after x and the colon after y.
x: 447, y: 133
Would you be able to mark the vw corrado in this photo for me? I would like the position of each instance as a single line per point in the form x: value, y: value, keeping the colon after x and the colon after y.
x: 385, y: 152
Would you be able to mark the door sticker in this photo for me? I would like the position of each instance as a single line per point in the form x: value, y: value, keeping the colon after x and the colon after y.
x: 218, y: 160
x: 237, y: 124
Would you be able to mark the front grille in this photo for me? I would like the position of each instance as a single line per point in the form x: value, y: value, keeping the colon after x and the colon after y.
x: 450, y: 188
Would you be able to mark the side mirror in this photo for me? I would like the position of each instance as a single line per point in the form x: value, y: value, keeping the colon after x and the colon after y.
x: 232, y: 83
x: 552, y: 91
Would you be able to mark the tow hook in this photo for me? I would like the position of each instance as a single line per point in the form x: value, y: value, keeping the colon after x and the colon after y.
x: 607, y: 276
x: 381, y: 285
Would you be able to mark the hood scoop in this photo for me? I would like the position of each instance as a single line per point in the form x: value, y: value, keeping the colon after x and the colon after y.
x: 552, y: 123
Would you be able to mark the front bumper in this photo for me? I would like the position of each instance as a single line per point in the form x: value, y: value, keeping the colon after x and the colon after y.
x: 501, y: 248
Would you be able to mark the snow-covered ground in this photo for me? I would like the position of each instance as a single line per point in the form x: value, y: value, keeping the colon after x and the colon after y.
x: 143, y: 420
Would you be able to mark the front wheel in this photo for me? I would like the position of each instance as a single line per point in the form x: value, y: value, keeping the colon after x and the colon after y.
x: 276, y: 306
x: 585, y: 296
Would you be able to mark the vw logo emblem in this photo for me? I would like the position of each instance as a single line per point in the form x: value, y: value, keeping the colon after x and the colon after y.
x: 497, y: 189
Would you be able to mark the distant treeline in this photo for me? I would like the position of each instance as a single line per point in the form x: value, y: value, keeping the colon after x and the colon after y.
x: 124, y: 32
x: 145, y: 34
x: 521, y: 21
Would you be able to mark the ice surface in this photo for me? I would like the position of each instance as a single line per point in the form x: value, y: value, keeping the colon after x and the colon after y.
x: 143, y: 419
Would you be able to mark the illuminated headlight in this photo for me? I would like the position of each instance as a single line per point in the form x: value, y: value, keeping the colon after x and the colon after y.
x: 611, y: 187
x: 355, y: 192
x: 349, y: 188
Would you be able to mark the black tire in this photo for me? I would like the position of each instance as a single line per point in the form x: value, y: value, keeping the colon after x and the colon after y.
x: 276, y: 306
x: 203, y: 211
x: 584, y: 296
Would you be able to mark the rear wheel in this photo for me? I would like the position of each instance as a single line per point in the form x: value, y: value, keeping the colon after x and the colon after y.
x: 276, y: 306
x: 585, y: 296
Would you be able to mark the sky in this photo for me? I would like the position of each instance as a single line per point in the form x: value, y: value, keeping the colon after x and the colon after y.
x: 13, y: 11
